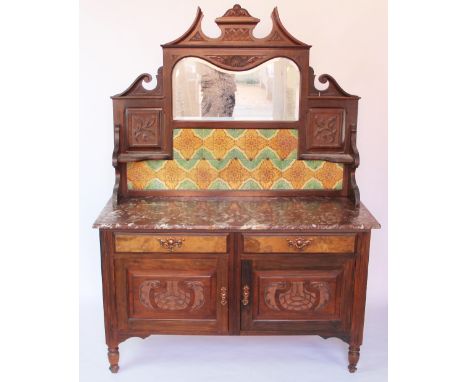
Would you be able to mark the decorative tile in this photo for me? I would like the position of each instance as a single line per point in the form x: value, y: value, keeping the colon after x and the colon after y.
x: 234, y: 159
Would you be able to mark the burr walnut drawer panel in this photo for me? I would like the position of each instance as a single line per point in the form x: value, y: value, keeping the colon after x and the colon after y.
x: 170, y: 243
x: 299, y: 243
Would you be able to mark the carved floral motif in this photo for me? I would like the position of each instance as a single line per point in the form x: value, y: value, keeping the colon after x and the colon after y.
x: 297, y: 295
x: 236, y: 61
x: 326, y: 129
x: 144, y: 130
x: 172, y: 295
x: 237, y: 11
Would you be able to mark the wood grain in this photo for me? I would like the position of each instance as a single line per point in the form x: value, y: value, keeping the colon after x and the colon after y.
x: 191, y: 281
x: 280, y: 244
x: 152, y: 243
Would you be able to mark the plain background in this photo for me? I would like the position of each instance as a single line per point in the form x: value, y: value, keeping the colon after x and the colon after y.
x: 120, y: 40
x: 39, y: 191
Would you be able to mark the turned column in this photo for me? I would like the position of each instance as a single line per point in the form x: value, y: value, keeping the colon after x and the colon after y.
x: 353, y: 358
x: 113, y: 355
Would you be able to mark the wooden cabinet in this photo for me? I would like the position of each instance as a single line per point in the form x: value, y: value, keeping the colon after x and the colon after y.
x: 235, y: 208
x: 172, y: 294
x: 297, y: 294
x: 234, y: 283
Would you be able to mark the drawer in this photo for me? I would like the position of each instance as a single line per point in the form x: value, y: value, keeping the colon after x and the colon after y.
x: 170, y: 243
x: 299, y: 243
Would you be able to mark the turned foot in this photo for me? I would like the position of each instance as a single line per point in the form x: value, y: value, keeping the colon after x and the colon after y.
x: 353, y: 357
x: 113, y: 355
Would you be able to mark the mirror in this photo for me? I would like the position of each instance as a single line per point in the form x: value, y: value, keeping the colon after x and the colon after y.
x: 268, y: 92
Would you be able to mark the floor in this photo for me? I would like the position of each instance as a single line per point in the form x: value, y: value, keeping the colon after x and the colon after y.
x: 222, y: 358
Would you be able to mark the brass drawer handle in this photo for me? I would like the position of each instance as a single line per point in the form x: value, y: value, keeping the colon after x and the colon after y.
x: 223, y: 295
x: 170, y: 244
x: 245, y: 295
x: 298, y: 243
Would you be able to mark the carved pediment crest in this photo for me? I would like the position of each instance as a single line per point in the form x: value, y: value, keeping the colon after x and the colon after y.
x: 237, y: 25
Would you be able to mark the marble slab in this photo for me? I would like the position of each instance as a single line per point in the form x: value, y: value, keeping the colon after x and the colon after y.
x: 242, y: 214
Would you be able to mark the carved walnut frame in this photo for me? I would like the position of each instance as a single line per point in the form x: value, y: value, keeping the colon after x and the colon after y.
x: 327, y: 122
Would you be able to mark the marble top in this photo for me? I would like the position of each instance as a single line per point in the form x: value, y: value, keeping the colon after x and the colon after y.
x: 244, y: 213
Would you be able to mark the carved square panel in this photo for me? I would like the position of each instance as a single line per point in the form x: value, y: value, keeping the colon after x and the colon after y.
x: 171, y: 294
x: 325, y: 128
x: 168, y: 293
x: 297, y: 295
x: 144, y: 128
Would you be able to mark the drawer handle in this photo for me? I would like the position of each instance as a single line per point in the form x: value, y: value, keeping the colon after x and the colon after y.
x: 170, y: 244
x: 223, y: 295
x: 299, y: 243
x: 245, y: 295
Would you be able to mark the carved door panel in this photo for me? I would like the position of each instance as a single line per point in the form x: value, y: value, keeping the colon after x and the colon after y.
x: 296, y: 293
x: 173, y: 294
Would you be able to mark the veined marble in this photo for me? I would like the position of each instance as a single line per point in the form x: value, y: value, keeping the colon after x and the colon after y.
x: 243, y: 214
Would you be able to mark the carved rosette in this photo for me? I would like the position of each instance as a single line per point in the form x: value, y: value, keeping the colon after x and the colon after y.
x: 172, y: 295
x: 297, y: 296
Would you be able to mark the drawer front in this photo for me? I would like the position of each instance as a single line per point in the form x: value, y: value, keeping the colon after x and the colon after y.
x: 170, y: 243
x: 299, y: 243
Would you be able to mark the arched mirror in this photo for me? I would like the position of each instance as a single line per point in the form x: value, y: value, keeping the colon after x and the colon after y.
x: 268, y: 92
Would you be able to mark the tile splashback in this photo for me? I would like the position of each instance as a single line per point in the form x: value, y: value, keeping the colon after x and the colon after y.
x: 234, y: 159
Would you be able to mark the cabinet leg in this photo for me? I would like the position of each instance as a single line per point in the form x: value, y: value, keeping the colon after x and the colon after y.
x: 113, y: 355
x: 353, y: 357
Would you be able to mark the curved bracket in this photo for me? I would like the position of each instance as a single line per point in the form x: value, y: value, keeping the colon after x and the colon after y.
x: 115, y: 164
x: 333, y: 89
x: 137, y: 89
x: 352, y: 177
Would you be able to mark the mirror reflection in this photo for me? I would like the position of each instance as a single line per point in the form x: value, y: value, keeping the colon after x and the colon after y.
x: 202, y: 91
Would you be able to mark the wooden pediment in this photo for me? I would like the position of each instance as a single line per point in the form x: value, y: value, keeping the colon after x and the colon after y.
x: 237, y: 27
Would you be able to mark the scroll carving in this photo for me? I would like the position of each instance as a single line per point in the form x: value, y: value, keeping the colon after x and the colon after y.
x: 333, y: 89
x: 172, y: 295
x: 237, y: 25
x: 236, y: 61
x: 297, y: 296
x: 137, y: 89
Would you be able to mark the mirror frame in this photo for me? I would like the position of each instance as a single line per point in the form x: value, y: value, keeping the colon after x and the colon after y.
x: 238, y: 93
x: 237, y: 49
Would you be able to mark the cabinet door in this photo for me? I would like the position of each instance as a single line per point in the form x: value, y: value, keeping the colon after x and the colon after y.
x: 296, y: 293
x: 173, y: 293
